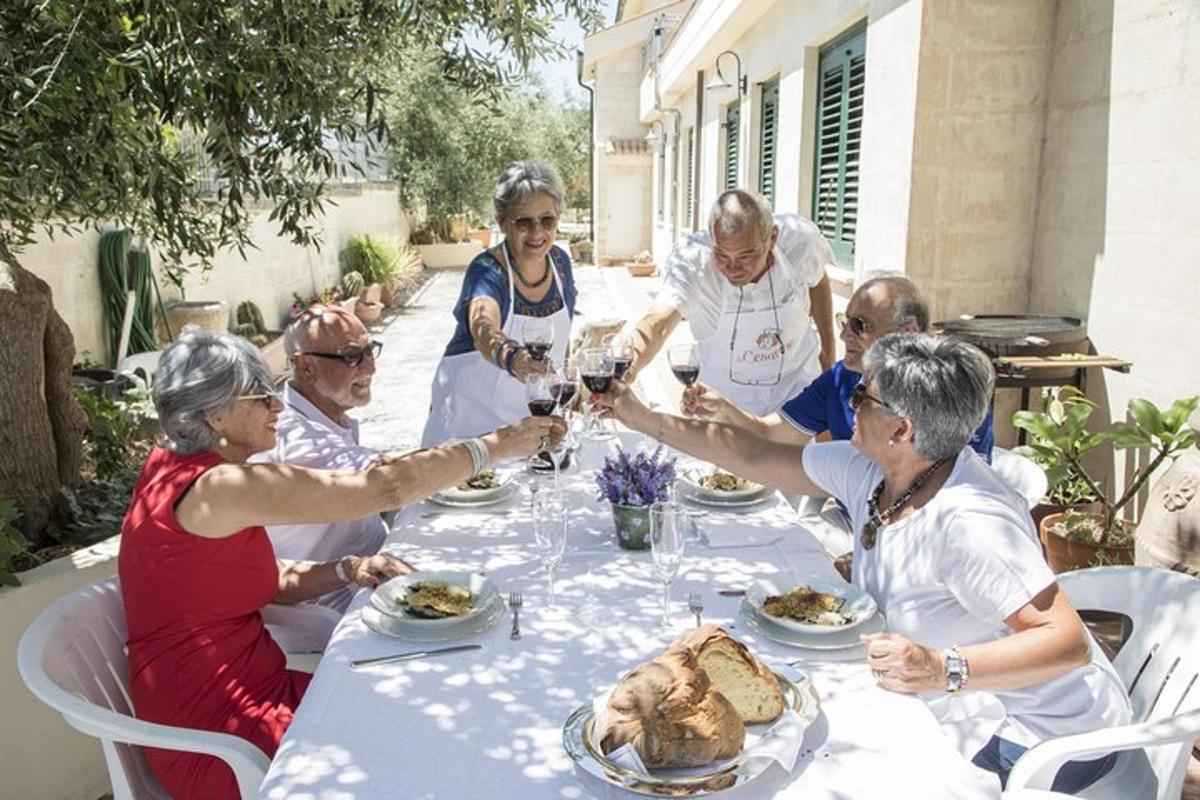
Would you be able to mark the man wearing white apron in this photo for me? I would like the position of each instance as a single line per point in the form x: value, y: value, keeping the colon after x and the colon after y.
x: 751, y: 289
x: 524, y: 283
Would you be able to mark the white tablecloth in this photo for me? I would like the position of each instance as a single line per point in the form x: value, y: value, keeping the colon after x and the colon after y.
x: 488, y: 723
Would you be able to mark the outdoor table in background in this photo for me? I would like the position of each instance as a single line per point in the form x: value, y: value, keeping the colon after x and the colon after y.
x: 488, y: 723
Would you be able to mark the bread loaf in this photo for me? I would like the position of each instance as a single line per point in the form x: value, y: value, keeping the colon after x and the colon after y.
x: 734, y: 672
x: 669, y: 713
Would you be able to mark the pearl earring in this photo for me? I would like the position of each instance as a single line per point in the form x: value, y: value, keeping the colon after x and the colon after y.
x: 222, y: 442
x: 891, y: 442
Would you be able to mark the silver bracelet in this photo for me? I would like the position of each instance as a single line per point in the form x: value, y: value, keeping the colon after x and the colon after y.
x: 339, y: 569
x: 478, y: 453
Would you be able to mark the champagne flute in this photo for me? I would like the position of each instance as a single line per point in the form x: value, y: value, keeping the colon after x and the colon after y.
x: 668, y: 526
x: 539, y: 336
x: 685, y: 362
x: 596, y: 371
x: 550, y: 533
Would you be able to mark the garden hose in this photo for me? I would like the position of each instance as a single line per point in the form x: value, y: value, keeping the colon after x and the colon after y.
x: 120, y: 274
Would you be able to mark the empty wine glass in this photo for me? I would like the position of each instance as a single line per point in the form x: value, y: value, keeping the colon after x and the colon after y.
x: 668, y: 526
x: 550, y: 533
x: 539, y: 336
x: 685, y: 362
x: 596, y: 372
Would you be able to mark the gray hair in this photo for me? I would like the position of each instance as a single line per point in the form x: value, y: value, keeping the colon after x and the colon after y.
x: 522, y: 180
x: 941, y: 384
x: 203, y: 373
x: 298, y: 335
x: 736, y: 210
x: 908, y: 305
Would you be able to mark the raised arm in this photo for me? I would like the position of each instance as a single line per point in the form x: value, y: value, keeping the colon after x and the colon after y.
x: 820, y: 303
x: 703, y: 402
x: 774, y: 464
x: 231, y: 497
x: 648, y: 336
x: 483, y: 319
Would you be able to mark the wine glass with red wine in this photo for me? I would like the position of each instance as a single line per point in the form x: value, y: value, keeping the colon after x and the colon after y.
x: 622, y: 355
x: 539, y: 394
x: 539, y: 336
x: 596, y: 372
x: 685, y: 362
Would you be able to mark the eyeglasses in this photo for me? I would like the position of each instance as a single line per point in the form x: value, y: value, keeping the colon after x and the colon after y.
x: 860, y: 395
x: 267, y: 399
x: 858, y: 325
x: 546, y: 222
x: 351, y: 358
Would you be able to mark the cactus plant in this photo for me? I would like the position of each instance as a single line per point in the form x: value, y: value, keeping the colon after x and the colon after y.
x: 249, y: 314
x: 353, y: 283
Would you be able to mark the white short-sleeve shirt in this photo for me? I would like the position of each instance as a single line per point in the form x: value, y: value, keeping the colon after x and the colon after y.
x: 306, y: 437
x: 696, y: 291
x: 953, y: 571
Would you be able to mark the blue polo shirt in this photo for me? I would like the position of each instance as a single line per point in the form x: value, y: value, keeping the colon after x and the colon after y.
x: 825, y: 406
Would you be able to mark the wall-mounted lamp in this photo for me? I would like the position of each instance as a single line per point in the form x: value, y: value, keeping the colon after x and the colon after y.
x: 655, y: 140
x: 719, y: 81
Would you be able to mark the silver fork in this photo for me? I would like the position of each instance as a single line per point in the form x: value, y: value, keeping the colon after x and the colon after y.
x: 515, y: 602
x: 695, y: 605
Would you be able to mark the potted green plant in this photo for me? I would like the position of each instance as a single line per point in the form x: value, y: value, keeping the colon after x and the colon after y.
x: 1102, y: 533
x: 632, y: 485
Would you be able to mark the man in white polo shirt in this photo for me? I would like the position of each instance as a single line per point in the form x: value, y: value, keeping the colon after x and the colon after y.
x: 755, y: 294
x: 333, y: 362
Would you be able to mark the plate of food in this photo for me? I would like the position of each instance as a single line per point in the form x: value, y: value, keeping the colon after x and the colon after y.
x: 809, y: 606
x: 712, y: 486
x: 485, y: 488
x: 704, y: 716
x: 429, y: 600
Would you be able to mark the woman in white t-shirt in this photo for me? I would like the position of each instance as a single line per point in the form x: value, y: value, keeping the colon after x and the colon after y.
x: 947, y: 551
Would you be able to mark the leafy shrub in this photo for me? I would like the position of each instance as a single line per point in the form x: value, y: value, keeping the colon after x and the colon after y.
x: 12, y: 543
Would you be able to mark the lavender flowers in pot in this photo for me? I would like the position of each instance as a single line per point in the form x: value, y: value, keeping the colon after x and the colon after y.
x: 632, y: 485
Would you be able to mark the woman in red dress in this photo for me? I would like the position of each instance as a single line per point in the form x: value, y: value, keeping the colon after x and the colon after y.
x: 196, y: 565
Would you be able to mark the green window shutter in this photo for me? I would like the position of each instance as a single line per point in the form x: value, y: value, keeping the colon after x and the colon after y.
x: 768, y: 141
x: 689, y: 205
x: 842, y: 80
x: 733, y: 131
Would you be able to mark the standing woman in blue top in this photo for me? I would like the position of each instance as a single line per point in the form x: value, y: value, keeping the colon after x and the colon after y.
x: 479, y: 384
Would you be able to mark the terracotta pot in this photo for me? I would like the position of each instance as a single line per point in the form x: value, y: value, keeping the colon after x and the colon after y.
x: 1043, y: 510
x: 368, y: 312
x: 1168, y: 534
x: 389, y: 294
x: 640, y: 270
x: 211, y: 315
x: 481, y: 235
x: 1064, y: 555
x: 372, y: 293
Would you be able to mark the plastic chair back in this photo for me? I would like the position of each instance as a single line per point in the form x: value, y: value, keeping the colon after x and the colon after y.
x: 72, y: 657
x: 1020, y: 474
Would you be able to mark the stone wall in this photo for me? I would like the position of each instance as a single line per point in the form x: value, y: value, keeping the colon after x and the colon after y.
x: 625, y: 188
x: 1118, y: 220
x: 270, y: 273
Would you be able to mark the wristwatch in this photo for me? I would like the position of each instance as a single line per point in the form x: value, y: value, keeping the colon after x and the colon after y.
x: 957, y: 670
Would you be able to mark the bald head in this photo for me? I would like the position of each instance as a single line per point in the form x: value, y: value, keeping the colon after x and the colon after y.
x: 907, y: 307
x: 316, y: 342
x: 737, y: 212
x: 887, y: 302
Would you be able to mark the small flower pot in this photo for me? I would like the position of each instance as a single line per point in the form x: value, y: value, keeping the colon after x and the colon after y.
x: 1064, y: 554
x: 368, y: 313
x: 633, y: 526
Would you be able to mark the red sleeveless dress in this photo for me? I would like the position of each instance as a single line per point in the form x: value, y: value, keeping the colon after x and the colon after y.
x: 199, y: 654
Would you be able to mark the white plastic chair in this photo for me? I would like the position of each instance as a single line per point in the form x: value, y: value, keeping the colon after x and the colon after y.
x: 1159, y: 665
x: 1020, y: 474
x: 72, y: 657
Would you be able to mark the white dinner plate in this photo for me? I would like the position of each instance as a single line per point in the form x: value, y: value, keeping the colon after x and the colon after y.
x: 856, y: 604
x: 386, y: 599
x: 397, y: 628
x: 581, y: 740
x: 469, y: 498
x: 690, y: 479
x: 842, y: 640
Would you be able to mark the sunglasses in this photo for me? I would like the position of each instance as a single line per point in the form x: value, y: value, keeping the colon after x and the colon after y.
x: 268, y: 399
x: 547, y: 222
x: 860, y: 396
x: 351, y: 358
x: 857, y: 325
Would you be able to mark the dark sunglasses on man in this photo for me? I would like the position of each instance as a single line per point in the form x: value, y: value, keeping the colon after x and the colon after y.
x: 857, y: 325
x: 351, y: 357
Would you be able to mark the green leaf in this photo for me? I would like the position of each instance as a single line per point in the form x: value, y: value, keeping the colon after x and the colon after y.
x: 1146, y: 415
x: 1177, y: 415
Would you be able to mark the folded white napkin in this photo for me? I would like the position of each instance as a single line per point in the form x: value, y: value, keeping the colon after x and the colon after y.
x: 779, y: 742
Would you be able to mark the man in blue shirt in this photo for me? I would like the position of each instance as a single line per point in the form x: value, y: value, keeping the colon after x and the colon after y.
x: 886, y: 303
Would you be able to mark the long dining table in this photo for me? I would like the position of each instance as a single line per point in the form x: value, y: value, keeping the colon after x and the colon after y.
x: 488, y: 723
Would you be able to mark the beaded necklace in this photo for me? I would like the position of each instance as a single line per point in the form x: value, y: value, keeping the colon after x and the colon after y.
x: 880, y: 518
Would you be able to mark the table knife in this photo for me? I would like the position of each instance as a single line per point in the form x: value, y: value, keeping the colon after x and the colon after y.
x: 364, y: 662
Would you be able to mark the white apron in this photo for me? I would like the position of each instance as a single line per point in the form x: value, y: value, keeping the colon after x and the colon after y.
x: 763, y: 351
x: 472, y: 396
